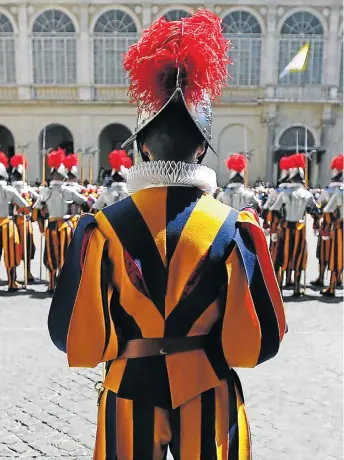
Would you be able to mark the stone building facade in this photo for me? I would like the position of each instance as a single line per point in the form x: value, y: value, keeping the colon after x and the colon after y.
x: 62, y: 81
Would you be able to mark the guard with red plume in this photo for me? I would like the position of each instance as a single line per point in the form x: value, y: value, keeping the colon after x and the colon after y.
x: 120, y: 162
x: 236, y: 164
x: 337, y: 166
x: 284, y: 168
x: 297, y: 165
x: 3, y: 165
x: 55, y: 161
x: 71, y: 164
x: 18, y: 163
x: 185, y: 62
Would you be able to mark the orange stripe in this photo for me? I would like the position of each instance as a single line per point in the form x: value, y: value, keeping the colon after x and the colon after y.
x: 286, y: 249
x: 86, y: 333
x: 162, y: 431
x: 241, y: 334
x: 124, y: 429
x: 152, y: 206
x: 222, y: 421
x: 190, y: 429
x: 100, y: 446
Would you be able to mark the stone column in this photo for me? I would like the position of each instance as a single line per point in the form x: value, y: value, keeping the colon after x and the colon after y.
x: 84, y: 51
x: 146, y: 14
x: 24, y: 70
x: 269, y: 121
x: 331, y: 67
x: 270, y: 50
x: 328, y: 122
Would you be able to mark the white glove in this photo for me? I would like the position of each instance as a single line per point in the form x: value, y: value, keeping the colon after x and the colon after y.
x: 267, y: 231
x: 274, y: 237
x: 316, y: 233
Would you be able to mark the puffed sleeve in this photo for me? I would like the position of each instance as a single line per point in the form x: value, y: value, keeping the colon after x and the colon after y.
x: 254, y: 321
x: 79, y: 321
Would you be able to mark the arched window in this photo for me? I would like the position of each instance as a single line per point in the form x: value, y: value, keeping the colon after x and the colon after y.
x: 7, y: 52
x: 114, y: 32
x: 244, y: 32
x: 298, y: 29
x: 54, y: 49
x: 176, y: 15
x: 294, y: 139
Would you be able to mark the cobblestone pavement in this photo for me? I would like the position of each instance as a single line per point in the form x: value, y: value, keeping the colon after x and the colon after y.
x: 294, y: 402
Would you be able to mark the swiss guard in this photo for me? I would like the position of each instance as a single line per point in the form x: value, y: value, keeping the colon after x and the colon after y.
x: 236, y: 194
x: 10, y: 246
x: 18, y: 163
x: 295, y: 201
x: 120, y: 162
x: 327, y: 221
x: 169, y: 287
x: 57, y: 200
x: 334, y: 208
x: 273, y: 220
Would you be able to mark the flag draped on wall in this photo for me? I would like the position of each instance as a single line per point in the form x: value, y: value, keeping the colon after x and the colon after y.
x: 298, y: 63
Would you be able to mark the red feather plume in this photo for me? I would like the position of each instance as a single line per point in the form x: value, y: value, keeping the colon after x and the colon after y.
x: 56, y: 158
x: 18, y: 159
x: 338, y: 162
x: 237, y: 162
x: 127, y: 162
x: 194, y: 47
x: 117, y: 159
x: 284, y: 163
x: 4, y: 159
x: 297, y: 161
x: 70, y: 161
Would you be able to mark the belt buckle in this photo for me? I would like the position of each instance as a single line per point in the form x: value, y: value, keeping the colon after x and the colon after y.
x: 163, y: 352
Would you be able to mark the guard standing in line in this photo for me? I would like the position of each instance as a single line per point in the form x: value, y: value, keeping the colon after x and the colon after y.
x: 273, y: 219
x: 169, y: 287
x: 324, y: 223
x: 18, y: 163
x: 236, y: 194
x: 57, y: 199
x: 120, y: 162
x: 295, y: 201
x: 335, y: 208
x: 9, y: 235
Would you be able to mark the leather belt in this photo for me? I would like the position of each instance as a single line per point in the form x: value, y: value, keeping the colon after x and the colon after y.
x: 143, y: 348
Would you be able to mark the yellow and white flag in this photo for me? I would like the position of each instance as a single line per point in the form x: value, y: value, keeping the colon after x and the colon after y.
x: 298, y: 63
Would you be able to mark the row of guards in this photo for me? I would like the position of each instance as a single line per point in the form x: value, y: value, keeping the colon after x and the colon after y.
x: 55, y: 207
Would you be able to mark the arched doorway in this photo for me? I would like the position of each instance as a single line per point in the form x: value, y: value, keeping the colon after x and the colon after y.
x: 111, y: 138
x: 293, y: 140
x: 232, y: 140
x: 54, y: 136
x: 6, y: 141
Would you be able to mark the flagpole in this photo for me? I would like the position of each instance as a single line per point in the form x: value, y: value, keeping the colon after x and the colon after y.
x: 306, y: 185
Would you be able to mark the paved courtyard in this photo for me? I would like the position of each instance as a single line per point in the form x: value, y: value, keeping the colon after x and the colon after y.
x: 294, y: 402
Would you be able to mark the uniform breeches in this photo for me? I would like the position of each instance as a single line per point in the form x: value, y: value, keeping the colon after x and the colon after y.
x: 9, y: 243
x: 212, y: 426
x: 58, y: 236
x: 293, y: 248
x: 336, y: 254
x: 30, y: 245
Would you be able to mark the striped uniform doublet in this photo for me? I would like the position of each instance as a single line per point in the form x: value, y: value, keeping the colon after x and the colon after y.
x: 169, y: 262
x: 212, y: 426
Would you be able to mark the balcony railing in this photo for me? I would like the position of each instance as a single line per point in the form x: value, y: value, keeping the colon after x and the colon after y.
x: 55, y: 93
x: 309, y: 93
x: 119, y: 94
x: 8, y: 92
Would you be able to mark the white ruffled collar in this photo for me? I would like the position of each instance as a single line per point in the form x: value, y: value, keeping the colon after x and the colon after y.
x: 171, y: 174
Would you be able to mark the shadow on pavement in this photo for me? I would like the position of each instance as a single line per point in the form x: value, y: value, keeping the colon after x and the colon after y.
x: 316, y: 298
